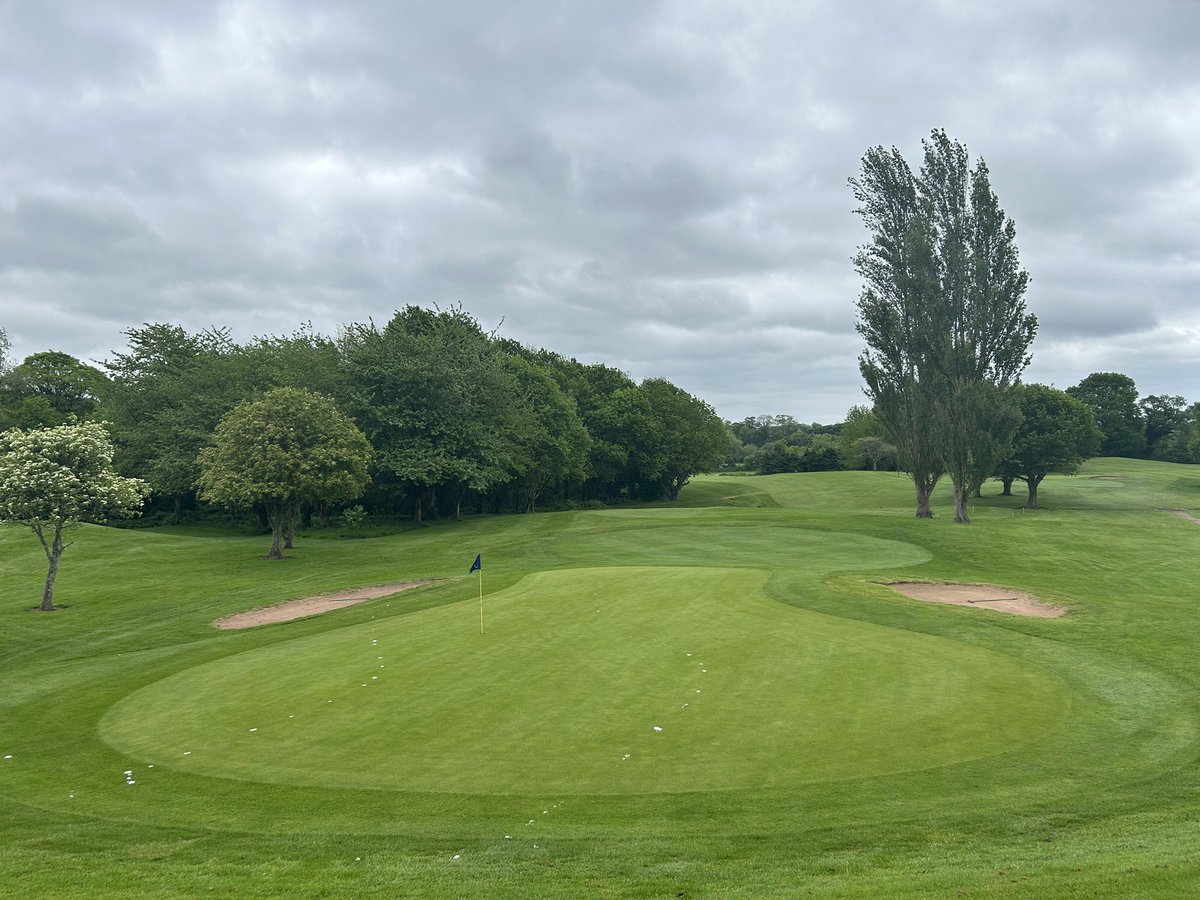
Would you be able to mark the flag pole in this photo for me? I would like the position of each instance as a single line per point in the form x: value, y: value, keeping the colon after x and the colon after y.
x: 477, y: 566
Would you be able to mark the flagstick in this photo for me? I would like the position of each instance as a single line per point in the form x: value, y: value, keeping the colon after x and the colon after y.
x: 481, y: 599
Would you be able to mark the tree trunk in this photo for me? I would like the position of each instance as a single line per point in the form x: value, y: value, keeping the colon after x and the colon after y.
x: 924, y: 488
x: 53, y: 555
x: 961, y: 493
x: 294, y: 517
x: 417, y: 507
x: 1031, y: 500
x: 1007, y: 482
x: 276, y: 539
x: 277, y: 516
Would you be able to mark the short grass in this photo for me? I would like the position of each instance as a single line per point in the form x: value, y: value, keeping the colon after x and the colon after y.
x: 825, y: 737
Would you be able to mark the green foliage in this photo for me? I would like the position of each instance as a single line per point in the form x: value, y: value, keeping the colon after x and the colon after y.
x: 942, y: 313
x: 1057, y: 434
x: 1113, y: 398
x: 456, y: 416
x: 814, y: 453
x: 431, y: 393
x: 171, y: 390
x: 862, y: 441
x: 289, y: 447
x: 694, y: 439
x: 50, y: 388
x: 549, y: 441
x: 52, y: 479
x: 757, y: 431
x: 354, y: 517
x: 1169, y: 424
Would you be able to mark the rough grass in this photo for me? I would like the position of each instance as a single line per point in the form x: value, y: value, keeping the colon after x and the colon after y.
x: 848, y: 741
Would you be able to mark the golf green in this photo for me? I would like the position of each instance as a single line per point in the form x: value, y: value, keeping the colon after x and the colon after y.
x: 616, y: 680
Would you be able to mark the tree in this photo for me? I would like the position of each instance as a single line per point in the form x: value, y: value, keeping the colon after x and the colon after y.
x: 873, y: 449
x: 50, y: 388
x: 1168, y: 424
x: 776, y: 457
x: 626, y: 450
x: 289, y: 447
x: 862, y: 440
x: 51, y: 479
x: 694, y: 438
x: 942, y: 312
x: 549, y: 442
x: 171, y: 388
x: 1057, y: 433
x: 431, y: 392
x: 1113, y: 398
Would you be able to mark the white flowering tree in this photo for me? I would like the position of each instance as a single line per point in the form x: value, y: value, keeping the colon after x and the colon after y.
x: 51, y: 479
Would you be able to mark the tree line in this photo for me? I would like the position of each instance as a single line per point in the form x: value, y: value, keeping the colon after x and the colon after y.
x: 454, y: 418
x: 1107, y: 419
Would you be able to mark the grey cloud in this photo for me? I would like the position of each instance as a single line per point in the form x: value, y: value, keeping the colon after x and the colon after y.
x: 659, y: 186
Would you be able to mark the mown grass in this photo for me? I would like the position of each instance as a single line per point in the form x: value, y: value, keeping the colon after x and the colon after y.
x: 847, y: 741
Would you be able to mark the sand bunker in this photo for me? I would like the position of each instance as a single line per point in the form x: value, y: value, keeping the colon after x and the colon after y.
x: 312, y: 606
x: 980, y: 596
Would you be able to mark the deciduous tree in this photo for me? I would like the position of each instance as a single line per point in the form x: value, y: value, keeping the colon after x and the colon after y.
x: 943, y: 313
x: 52, y: 479
x: 1168, y: 419
x: 171, y: 388
x: 694, y: 439
x: 1113, y: 398
x: 1057, y: 434
x: 289, y: 447
x: 50, y: 388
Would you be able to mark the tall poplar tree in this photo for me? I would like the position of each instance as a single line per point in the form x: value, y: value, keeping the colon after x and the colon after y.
x: 943, y: 314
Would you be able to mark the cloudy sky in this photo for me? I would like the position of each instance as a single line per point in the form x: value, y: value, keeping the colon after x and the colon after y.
x: 658, y: 186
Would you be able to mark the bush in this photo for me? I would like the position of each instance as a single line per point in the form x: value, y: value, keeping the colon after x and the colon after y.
x: 354, y: 517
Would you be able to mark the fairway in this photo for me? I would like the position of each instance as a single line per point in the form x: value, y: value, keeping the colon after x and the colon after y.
x: 620, y: 680
x: 711, y: 699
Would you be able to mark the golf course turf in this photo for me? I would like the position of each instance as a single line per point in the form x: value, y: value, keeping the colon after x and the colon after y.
x: 711, y: 698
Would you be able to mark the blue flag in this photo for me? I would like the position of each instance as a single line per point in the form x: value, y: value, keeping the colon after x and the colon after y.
x: 477, y: 565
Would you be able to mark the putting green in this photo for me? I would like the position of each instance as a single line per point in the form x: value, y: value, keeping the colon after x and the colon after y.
x: 599, y: 680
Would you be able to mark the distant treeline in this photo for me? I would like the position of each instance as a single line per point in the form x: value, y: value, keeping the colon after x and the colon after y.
x: 459, y: 419
x: 1158, y: 426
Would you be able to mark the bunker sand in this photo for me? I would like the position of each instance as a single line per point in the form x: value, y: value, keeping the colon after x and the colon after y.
x: 979, y: 596
x: 312, y: 606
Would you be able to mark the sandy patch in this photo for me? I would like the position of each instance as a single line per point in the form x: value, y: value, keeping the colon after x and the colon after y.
x: 1184, y: 514
x: 312, y: 606
x: 980, y: 596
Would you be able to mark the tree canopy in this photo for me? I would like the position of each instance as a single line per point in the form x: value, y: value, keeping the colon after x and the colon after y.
x: 1057, y: 434
x: 1113, y: 397
x: 286, y: 448
x: 50, y: 388
x: 942, y: 312
x: 52, y: 479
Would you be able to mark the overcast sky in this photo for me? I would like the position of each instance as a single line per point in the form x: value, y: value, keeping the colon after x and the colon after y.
x: 657, y: 186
